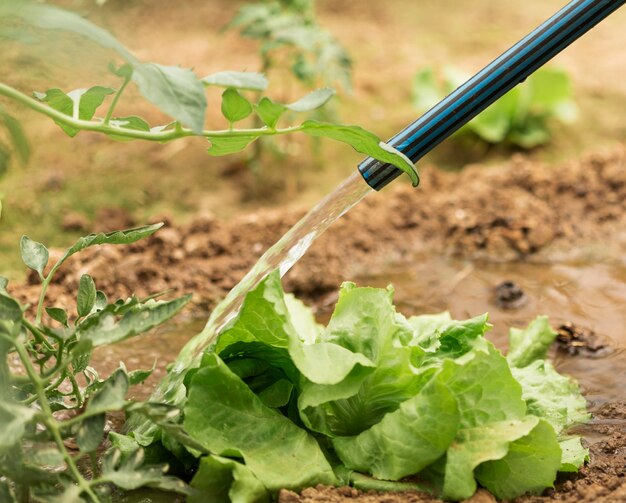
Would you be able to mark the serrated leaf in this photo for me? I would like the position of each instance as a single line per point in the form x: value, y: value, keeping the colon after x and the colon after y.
x: 234, y: 106
x: 224, y: 145
x: 252, y: 81
x: 86, y: 295
x: 34, y: 254
x: 364, y: 142
x: 57, y: 314
x: 90, y: 433
x: 123, y: 237
x: 312, y: 101
x: 175, y: 90
x: 129, y: 473
x: 4, y: 282
x: 138, y: 376
x: 269, y: 111
x: 103, y: 328
x: 111, y: 395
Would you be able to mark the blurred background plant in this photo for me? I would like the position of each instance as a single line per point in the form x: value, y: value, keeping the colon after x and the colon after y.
x: 522, y: 118
x: 294, y: 47
x: 13, y: 142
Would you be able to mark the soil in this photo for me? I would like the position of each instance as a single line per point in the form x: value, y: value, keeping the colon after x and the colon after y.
x: 523, y: 209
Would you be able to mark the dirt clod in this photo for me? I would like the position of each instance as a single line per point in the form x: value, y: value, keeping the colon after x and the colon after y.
x: 509, y: 295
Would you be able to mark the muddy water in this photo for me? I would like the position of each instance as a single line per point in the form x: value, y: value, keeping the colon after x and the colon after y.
x: 591, y: 296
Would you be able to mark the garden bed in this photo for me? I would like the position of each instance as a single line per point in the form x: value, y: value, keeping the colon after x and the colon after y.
x: 574, y: 213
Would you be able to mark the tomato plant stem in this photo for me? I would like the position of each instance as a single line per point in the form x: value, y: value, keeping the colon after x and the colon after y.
x: 51, y: 423
x: 99, y: 126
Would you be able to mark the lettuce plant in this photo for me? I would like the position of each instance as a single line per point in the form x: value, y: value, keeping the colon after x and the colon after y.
x: 371, y: 399
x: 521, y: 117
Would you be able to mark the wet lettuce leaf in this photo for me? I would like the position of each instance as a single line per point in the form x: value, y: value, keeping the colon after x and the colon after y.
x: 281, y: 401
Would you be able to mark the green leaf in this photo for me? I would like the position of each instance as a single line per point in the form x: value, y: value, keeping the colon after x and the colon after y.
x: 276, y: 451
x: 103, y: 327
x: 10, y: 310
x: 224, y: 145
x: 574, y: 455
x: 6, y: 493
x: 19, y: 142
x: 129, y: 473
x: 477, y: 445
x: 252, y: 81
x: 14, y: 419
x: 530, y: 465
x: 531, y: 343
x: 405, y: 441
x: 78, y: 104
x: 86, y: 295
x: 57, y: 314
x: 551, y: 396
x: 111, y: 395
x: 495, y: 123
x: 131, y: 122
x: 269, y: 111
x: 138, y: 376
x: 90, y: 433
x: 550, y: 91
x: 426, y: 92
x: 311, y: 101
x: 177, y: 91
x: 4, y: 282
x: 364, y: 142
x: 222, y: 480
x: 234, y: 106
x: 115, y: 238
x: 34, y: 254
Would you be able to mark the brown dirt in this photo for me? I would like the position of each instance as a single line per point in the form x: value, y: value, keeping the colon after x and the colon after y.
x: 523, y: 209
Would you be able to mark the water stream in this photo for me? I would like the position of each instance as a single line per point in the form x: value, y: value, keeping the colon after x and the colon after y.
x: 282, y: 256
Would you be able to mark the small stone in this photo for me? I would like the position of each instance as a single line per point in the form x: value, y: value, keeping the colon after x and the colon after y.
x: 509, y: 295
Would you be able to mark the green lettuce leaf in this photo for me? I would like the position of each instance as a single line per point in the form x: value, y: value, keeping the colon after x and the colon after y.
x: 551, y: 396
x: 531, y: 343
x: 279, y: 400
x: 223, y: 480
x: 228, y: 419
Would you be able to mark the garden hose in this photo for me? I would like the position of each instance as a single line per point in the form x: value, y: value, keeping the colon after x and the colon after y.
x: 493, y: 81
